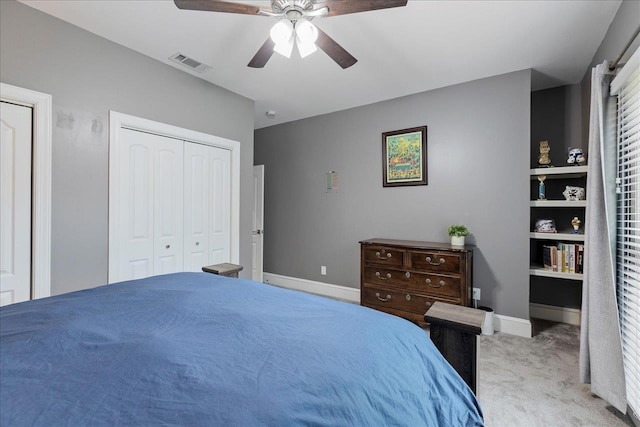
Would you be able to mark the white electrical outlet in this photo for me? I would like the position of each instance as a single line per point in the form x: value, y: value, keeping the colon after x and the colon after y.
x: 476, y: 294
x: 323, y: 270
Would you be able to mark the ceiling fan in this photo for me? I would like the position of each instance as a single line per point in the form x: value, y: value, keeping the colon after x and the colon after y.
x: 294, y: 26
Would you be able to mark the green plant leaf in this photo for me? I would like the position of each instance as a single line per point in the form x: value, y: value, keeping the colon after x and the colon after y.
x: 457, y: 230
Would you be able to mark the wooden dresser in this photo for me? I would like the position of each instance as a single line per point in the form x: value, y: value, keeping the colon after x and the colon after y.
x: 405, y: 278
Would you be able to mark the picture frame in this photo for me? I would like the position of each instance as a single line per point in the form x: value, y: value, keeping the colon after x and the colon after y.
x: 404, y: 157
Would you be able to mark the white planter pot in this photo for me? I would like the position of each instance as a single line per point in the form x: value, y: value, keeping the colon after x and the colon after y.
x: 457, y: 241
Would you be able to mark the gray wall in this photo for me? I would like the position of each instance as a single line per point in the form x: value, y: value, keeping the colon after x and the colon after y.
x: 478, y: 160
x: 556, y: 117
x: 87, y: 76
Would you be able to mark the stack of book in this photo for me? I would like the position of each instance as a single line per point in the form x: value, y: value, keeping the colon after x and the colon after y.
x: 563, y: 257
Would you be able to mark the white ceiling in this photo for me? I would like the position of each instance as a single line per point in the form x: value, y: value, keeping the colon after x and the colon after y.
x: 423, y: 46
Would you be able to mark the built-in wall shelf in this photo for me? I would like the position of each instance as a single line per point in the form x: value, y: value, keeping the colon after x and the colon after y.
x: 541, y: 271
x: 564, y: 237
x: 562, y: 172
x: 558, y: 203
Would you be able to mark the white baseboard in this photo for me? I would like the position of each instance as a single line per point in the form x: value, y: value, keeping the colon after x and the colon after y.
x: 505, y: 324
x: 325, y: 289
x: 571, y: 316
x: 512, y: 325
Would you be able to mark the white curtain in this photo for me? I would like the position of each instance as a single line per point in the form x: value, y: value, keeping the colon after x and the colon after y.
x: 600, y: 344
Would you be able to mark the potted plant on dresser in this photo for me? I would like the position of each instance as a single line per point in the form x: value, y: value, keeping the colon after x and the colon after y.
x: 457, y: 234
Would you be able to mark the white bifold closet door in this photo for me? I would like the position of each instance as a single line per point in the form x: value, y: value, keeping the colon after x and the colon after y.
x: 174, y: 205
x: 207, y: 201
x: 151, y: 212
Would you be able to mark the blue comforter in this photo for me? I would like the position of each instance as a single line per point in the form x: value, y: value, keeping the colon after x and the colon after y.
x: 196, y: 349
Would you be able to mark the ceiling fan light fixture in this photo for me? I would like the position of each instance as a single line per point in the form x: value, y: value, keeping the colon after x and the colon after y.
x: 284, y: 48
x: 306, y: 36
x: 282, y: 35
x: 306, y: 31
x: 305, y: 49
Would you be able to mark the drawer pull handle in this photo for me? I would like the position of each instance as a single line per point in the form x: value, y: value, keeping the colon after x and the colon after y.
x: 408, y: 297
x: 383, y: 278
x: 440, y: 284
x: 383, y: 257
x: 440, y: 261
x: 388, y: 298
x: 167, y: 247
x: 407, y: 275
x: 197, y: 243
x: 428, y: 304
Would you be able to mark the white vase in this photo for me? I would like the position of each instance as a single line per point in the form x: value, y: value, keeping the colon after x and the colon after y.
x: 457, y: 240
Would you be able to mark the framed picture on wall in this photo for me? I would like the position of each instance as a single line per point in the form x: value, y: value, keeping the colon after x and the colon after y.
x: 404, y: 157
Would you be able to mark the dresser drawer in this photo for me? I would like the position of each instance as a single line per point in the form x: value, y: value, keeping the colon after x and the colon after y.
x: 435, y: 261
x: 437, y: 284
x: 384, y: 256
x: 386, y: 277
x: 395, y: 299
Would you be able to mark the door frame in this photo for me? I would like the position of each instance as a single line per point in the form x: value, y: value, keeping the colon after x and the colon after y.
x: 41, y: 103
x: 118, y: 121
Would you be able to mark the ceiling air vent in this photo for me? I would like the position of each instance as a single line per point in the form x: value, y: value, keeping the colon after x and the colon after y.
x: 190, y: 62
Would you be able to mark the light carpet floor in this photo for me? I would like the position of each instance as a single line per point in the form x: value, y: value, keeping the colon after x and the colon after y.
x: 535, y: 381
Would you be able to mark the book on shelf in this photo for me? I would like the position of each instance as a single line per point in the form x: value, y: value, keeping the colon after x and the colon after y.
x: 580, y: 259
x: 563, y: 257
x: 546, y: 257
x: 571, y: 265
x: 550, y: 257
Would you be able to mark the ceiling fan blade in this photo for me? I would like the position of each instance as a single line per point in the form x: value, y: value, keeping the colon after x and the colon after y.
x: 343, y: 7
x: 263, y: 55
x: 217, y: 6
x: 322, y: 11
x: 334, y: 50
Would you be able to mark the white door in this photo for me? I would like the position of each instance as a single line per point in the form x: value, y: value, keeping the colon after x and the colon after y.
x: 168, y: 205
x: 258, y: 224
x: 150, y: 205
x: 15, y: 203
x: 207, y: 202
x: 197, y: 184
x: 220, y: 206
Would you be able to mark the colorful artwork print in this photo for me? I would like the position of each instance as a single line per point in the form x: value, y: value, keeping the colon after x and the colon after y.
x: 405, y: 157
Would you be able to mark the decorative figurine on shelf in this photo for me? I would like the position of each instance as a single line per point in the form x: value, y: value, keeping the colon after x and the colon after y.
x: 545, y: 226
x: 572, y: 193
x: 541, y: 188
x: 576, y: 157
x: 544, y: 159
x: 575, y: 223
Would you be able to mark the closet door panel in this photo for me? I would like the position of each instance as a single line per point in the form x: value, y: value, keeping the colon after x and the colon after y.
x: 197, y: 185
x: 136, y: 209
x: 15, y: 203
x: 220, y: 202
x: 168, y: 206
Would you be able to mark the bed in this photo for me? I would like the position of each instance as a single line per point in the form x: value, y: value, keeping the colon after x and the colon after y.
x: 196, y: 349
